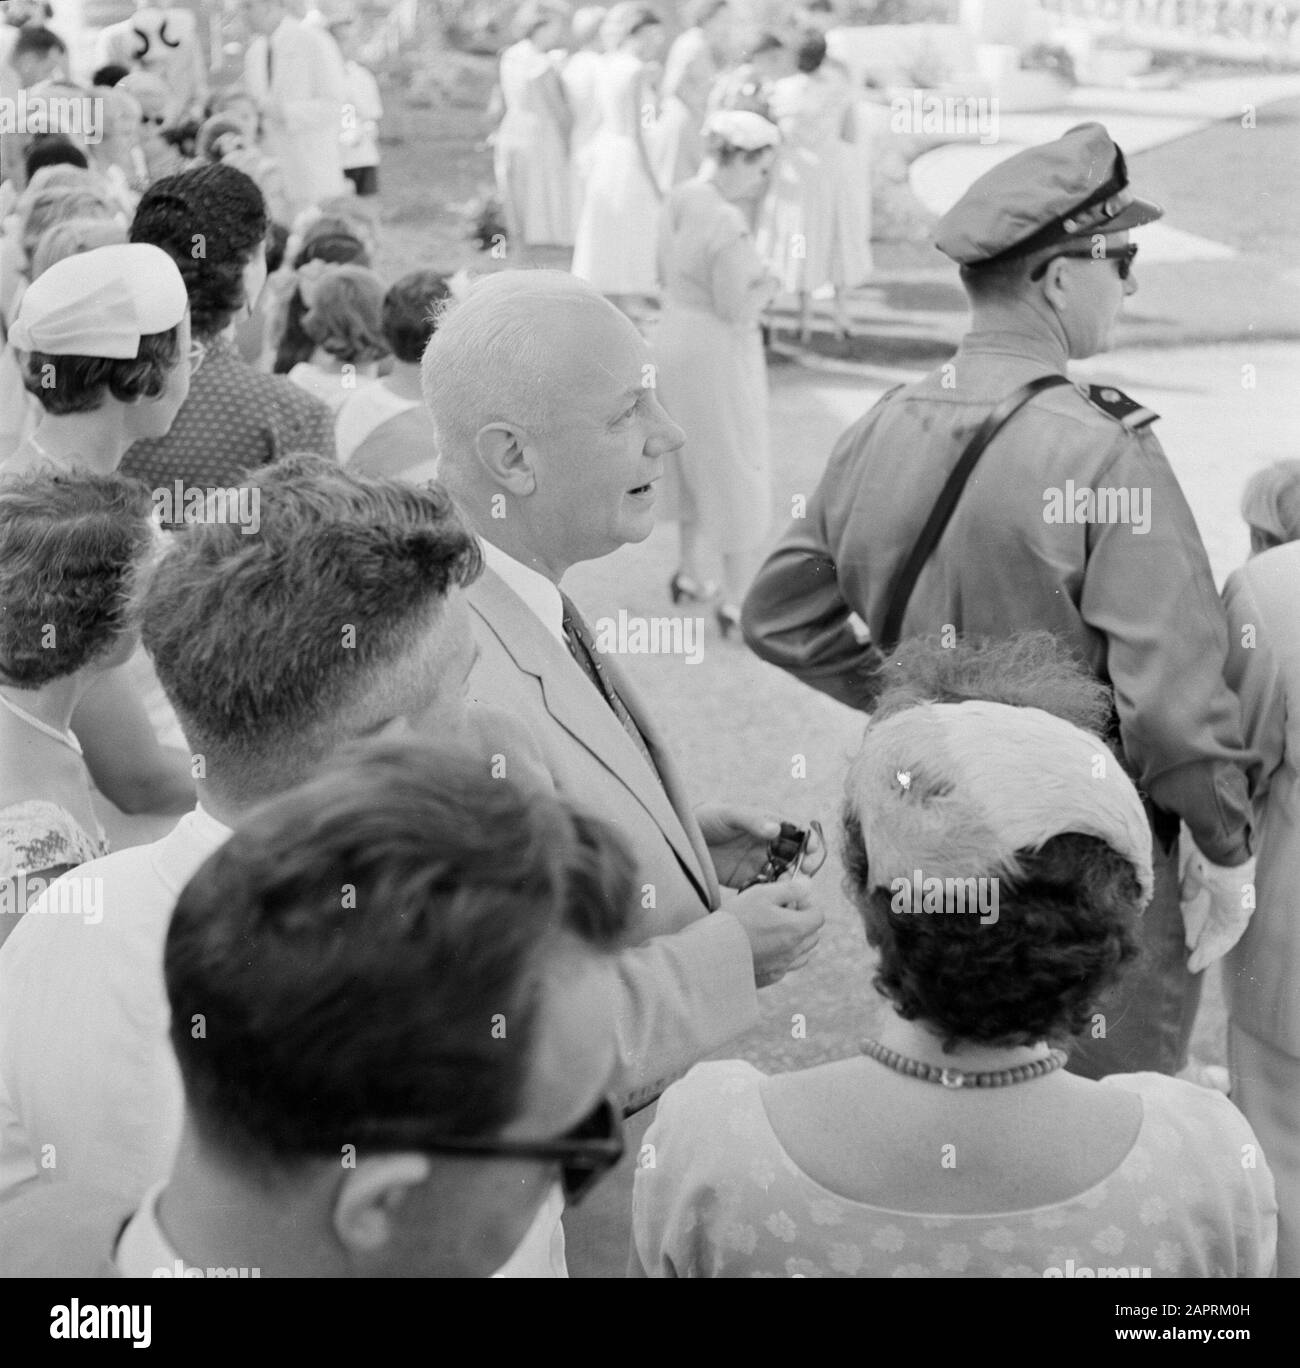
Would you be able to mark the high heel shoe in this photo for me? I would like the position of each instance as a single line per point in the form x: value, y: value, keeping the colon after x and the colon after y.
x: 684, y: 587
x: 728, y: 615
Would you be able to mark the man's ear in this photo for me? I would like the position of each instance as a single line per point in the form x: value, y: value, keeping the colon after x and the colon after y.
x: 1056, y: 287
x: 508, y: 456
x: 371, y: 1195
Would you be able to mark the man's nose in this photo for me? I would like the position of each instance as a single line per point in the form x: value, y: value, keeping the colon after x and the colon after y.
x: 665, y: 435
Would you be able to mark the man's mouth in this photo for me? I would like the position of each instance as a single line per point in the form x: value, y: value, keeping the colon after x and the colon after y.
x: 644, y: 489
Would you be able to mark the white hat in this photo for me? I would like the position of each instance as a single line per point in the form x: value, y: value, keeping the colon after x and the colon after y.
x: 961, y: 789
x: 101, y: 303
x: 742, y: 128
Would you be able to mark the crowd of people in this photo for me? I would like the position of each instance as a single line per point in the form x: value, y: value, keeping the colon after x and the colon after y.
x: 355, y: 918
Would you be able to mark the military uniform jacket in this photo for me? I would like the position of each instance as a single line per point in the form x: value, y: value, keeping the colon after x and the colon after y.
x: 1073, y: 522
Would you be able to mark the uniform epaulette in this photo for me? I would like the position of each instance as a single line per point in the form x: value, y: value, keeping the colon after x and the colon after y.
x: 1116, y: 404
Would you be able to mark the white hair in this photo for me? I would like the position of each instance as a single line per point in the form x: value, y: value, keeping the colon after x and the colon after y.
x: 489, y: 360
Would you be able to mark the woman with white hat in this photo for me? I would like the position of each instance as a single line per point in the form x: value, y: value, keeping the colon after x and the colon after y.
x: 103, y: 339
x: 1000, y: 859
x: 710, y: 371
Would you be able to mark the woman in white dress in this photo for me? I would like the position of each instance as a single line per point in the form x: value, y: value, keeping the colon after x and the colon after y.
x: 615, y: 248
x: 694, y: 62
x: 816, y: 228
x: 579, y: 76
x: 710, y: 369
x: 532, y: 140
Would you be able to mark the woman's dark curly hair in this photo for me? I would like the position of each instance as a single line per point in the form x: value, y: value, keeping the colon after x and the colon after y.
x: 216, y: 208
x: 78, y: 384
x: 328, y: 239
x: 1064, y: 933
x: 71, y: 548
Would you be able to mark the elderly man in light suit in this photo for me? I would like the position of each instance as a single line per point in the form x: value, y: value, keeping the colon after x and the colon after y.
x: 552, y: 440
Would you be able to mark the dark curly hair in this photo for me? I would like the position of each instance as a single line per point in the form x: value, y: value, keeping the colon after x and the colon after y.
x: 409, y: 309
x: 220, y: 209
x: 1064, y: 932
x: 71, y: 547
x: 78, y: 384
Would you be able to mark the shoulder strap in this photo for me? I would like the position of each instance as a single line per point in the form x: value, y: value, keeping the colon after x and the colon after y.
x: 940, y: 515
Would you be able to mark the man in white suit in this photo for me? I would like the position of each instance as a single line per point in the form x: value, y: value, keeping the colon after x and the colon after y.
x: 552, y: 441
x: 296, y: 73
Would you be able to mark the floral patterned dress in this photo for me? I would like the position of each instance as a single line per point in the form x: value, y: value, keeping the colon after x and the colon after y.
x: 717, y: 1196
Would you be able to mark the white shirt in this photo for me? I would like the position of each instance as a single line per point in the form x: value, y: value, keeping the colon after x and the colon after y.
x: 89, y: 1087
x: 143, y: 1250
x: 538, y: 593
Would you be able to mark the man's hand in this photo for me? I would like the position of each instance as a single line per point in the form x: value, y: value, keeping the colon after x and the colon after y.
x: 782, y: 925
x: 1217, y: 901
x: 737, y: 838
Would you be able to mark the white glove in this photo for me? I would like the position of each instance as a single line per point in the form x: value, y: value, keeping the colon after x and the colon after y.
x: 1217, y: 901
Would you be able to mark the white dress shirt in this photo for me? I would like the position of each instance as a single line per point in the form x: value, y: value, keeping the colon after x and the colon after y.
x: 538, y: 593
x: 89, y: 1087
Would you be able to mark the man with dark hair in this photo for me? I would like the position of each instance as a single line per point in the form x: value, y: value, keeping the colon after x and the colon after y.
x: 1074, y: 523
x: 52, y: 149
x: 342, y: 615
x: 212, y: 221
x: 393, y: 1020
x: 34, y: 56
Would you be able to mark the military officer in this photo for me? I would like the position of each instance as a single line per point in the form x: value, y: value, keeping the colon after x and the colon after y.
x: 1072, y: 520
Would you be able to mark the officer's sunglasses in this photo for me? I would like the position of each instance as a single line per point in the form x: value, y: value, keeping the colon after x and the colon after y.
x: 1123, y: 255
x: 585, y: 1153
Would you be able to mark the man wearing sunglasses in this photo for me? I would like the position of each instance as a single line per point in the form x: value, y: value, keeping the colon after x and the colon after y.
x: 1069, y: 519
x: 392, y: 1010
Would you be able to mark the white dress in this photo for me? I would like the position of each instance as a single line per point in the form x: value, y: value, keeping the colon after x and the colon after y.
x: 710, y: 372
x: 816, y: 228
x: 579, y: 77
x: 531, y: 158
x: 615, y: 248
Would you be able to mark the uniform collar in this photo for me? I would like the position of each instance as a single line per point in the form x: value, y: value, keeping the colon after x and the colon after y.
x: 143, y: 1250
x: 1029, y: 336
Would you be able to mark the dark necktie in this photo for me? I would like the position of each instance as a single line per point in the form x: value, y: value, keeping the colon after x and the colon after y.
x: 582, y: 647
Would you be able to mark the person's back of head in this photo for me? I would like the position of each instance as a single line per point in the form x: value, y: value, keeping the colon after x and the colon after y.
x: 72, y: 236
x: 984, y: 785
x: 1270, y: 505
x: 55, y: 201
x: 109, y: 75
x: 329, y: 240
x: 410, y: 313
x: 492, y: 355
x: 71, y: 549
x: 305, y: 608
x: 811, y: 52
x: 36, y: 53
x: 397, y: 962
x: 52, y: 149
x: 344, y: 314
x: 220, y: 209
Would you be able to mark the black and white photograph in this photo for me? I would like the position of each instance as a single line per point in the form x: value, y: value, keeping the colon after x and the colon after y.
x: 649, y: 641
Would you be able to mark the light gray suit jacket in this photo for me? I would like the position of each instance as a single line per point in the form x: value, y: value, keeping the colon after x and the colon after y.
x: 686, y: 980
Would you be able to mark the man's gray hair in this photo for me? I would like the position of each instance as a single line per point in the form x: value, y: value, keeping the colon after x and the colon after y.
x: 490, y: 359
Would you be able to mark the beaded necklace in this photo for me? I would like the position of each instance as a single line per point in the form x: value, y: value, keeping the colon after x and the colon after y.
x: 958, y: 1078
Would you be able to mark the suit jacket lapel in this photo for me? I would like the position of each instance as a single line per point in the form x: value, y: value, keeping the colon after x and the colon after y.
x: 575, y: 704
